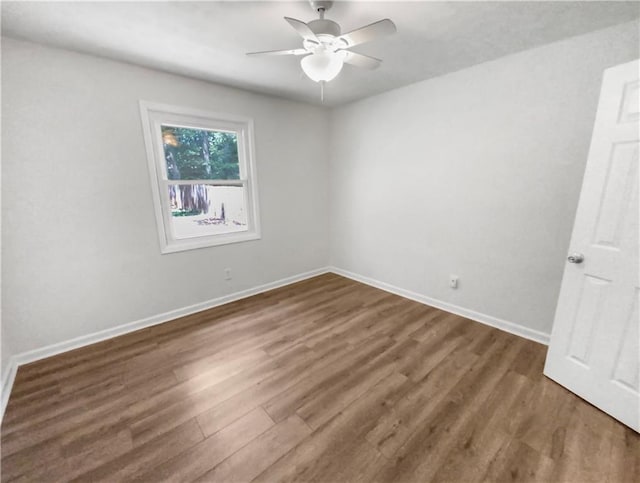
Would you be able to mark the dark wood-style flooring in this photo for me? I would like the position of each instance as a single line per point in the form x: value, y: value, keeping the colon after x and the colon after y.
x: 326, y: 380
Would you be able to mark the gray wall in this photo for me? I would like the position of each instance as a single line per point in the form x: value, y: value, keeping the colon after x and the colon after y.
x: 80, y: 245
x: 476, y: 173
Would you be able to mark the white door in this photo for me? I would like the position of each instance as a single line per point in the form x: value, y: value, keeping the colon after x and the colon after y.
x: 595, y: 347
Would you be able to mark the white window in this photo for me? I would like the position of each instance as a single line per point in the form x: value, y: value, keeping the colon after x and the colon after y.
x: 203, y: 176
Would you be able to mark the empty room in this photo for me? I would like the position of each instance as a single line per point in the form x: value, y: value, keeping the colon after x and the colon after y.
x: 315, y: 241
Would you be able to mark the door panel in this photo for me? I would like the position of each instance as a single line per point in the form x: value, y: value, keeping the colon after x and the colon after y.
x: 626, y: 370
x: 618, y: 192
x: 589, y: 311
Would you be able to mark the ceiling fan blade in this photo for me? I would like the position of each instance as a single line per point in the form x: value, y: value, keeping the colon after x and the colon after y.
x: 303, y: 29
x: 360, y: 60
x: 281, y: 52
x: 369, y: 33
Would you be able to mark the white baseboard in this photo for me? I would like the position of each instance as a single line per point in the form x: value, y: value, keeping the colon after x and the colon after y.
x: 17, y: 360
x: 516, y: 329
x: 8, y: 376
x: 9, y: 372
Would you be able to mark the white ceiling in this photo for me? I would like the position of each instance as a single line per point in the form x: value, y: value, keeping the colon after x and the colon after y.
x: 208, y: 40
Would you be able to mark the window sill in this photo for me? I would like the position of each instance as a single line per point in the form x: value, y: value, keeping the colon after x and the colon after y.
x: 194, y: 244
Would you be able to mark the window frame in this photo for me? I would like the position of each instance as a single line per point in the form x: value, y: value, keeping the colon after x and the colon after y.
x: 156, y: 115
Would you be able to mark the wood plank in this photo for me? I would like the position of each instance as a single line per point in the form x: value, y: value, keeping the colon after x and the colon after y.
x: 624, y: 463
x: 204, y: 456
x: 337, y: 446
x: 218, y: 416
x: 517, y: 461
x: 147, y: 456
x: 426, y: 448
x: 320, y: 409
x: 288, y: 401
x: 394, y: 428
x: 262, y: 452
x: 477, y: 443
x: 587, y: 446
x: 226, y: 402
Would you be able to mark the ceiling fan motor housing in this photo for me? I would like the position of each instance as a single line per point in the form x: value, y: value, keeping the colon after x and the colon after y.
x: 323, y: 26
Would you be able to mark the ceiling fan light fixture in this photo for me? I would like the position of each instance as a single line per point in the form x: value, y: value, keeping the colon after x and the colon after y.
x: 322, y: 66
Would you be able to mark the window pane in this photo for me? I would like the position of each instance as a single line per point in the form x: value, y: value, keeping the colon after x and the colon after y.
x: 200, y: 154
x: 205, y: 210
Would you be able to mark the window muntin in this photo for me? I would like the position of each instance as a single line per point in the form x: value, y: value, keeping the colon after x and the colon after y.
x: 203, y: 177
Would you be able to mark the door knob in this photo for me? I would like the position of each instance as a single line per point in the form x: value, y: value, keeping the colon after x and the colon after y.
x: 576, y: 258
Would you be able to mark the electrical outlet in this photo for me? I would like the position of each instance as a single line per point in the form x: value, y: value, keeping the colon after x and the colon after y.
x: 227, y: 274
x: 453, y: 281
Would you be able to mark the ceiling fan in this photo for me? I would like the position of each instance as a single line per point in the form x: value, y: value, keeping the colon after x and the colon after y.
x: 326, y: 49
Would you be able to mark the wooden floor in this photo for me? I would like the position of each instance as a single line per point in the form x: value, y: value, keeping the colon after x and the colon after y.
x: 326, y: 380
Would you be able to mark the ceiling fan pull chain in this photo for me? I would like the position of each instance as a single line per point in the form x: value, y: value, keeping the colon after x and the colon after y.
x: 321, y: 91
